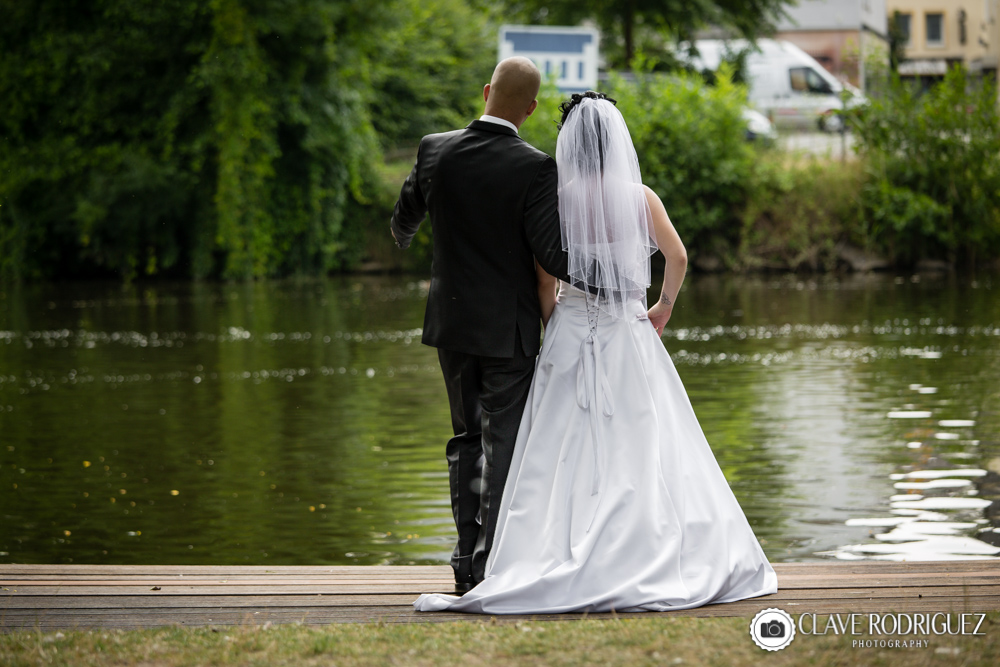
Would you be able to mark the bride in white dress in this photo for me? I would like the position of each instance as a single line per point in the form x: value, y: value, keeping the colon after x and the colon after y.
x: 614, y: 500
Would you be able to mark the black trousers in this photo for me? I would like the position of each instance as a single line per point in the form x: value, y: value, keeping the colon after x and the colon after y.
x: 487, y: 397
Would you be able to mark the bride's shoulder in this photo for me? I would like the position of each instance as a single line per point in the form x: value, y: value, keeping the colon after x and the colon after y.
x: 653, y: 200
x: 650, y: 194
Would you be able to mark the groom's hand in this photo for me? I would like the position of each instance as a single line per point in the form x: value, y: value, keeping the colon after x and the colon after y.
x: 659, y: 315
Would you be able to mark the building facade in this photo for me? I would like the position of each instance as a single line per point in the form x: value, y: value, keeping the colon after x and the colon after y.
x: 943, y: 33
x: 570, y: 55
x: 835, y: 32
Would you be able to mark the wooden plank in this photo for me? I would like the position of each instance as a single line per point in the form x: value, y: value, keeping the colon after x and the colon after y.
x: 117, y: 617
x: 178, y: 601
x: 224, y: 619
x: 991, y: 601
x: 51, y: 596
x: 276, y: 576
x: 887, y: 592
x: 255, y: 581
x: 799, y: 575
x: 9, y: 571
x: 154, y: 601
x: 223, y: 589
x: 423, y: 571
x: 865, y: 566
x: 72, y: 569
x: 736, y: 608
x: 168, y: 588
x: 915, y: 578
x: 225, y: 616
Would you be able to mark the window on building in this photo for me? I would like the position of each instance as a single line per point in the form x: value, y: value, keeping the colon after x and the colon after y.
x: 935, y: 29
x: 903, y: 27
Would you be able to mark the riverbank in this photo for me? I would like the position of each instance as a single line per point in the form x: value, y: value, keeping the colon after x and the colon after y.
x: 804, y: 214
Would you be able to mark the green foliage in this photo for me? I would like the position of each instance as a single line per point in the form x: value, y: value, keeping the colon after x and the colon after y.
x: 540, y: 130
x: 932, y: 182
x: 244, y: 138
x: 798, y: 211
x: 690, y: 140
x: 429, y: 75
x: 226, y: 138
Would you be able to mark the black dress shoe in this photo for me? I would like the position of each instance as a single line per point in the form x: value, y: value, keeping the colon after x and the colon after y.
x: 462, y: 589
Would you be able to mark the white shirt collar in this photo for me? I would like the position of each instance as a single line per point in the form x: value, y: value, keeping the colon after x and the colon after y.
x: 499, y: 121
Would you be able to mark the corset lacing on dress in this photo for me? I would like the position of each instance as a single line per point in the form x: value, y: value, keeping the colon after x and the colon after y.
x: 593, y: 391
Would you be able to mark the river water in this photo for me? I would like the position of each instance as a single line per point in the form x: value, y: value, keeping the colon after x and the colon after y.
x: 303, y: 422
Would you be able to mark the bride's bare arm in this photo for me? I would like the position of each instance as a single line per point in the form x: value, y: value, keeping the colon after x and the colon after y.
x: 672, y: 247
x: 548, y: 286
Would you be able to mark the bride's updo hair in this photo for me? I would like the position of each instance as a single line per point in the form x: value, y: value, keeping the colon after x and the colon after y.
x: 590, y: 153
x: 575, y: 99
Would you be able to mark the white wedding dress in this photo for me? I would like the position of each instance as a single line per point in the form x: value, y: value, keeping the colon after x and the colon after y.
x: 614, y: 500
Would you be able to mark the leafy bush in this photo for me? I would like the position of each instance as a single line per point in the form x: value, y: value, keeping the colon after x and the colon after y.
x: 932, y: 161
x: 690, y: 141
x: 797, y: 212
x: 540, y: 128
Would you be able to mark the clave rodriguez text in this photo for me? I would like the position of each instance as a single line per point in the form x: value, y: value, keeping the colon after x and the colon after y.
x: 938, y: 623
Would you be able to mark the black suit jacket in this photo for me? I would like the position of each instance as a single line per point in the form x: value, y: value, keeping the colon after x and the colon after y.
x: 493, y: 206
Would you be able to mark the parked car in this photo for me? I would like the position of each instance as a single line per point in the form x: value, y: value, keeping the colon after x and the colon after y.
x: 759, y: 128
x: 786, y: 84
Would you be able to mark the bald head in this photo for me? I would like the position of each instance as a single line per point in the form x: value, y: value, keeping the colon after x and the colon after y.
x: 511, y: 92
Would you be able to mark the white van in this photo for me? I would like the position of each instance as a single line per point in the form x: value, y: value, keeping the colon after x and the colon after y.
x: 786, y: 84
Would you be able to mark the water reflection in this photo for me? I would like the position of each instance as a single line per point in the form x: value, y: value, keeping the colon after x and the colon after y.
x: 303, y: 422
x: 939, y: 515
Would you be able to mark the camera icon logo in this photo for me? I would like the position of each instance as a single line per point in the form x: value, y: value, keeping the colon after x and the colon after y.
x: 772, y: 629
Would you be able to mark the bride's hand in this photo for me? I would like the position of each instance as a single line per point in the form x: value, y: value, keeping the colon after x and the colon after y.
x: 659, y: 315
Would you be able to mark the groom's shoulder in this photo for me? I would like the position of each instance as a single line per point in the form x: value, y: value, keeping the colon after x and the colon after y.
x: 511, y: 146
x: 445, y: 136
x: 534, y: 153
x: 440, y: 138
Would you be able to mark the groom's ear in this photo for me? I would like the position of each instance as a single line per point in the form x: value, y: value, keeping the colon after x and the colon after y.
x: 532, y: 106
x: 486, y: 93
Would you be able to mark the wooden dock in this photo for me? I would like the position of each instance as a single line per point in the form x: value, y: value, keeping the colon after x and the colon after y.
x: 49, y: 597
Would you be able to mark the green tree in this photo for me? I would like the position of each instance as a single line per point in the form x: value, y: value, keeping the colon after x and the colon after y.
x: 224, y: 138
x: 623, y: 20
x: 436, y: 57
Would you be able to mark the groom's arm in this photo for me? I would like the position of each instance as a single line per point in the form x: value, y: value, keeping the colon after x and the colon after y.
x: 410, y: 209
x: 541, y: 221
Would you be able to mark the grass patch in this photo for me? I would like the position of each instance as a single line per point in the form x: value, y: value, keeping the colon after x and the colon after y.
x: 653, y: 640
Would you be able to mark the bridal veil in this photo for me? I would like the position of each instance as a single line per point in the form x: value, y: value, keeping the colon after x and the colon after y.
x: 605, y: 220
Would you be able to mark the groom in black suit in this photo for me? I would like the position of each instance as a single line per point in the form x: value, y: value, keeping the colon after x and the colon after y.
x: 493, y: 206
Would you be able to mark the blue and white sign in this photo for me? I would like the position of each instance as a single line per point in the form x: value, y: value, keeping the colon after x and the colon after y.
x: 569, y: 54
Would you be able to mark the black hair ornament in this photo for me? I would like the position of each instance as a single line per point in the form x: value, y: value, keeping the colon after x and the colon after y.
x: 575, y: 100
